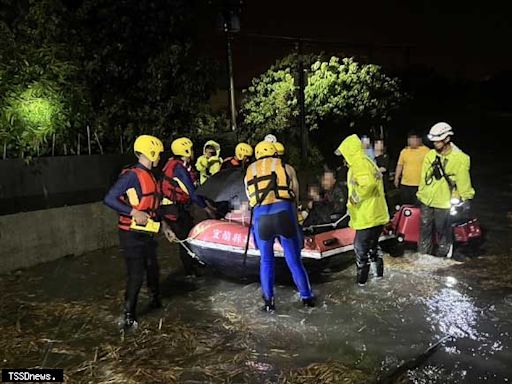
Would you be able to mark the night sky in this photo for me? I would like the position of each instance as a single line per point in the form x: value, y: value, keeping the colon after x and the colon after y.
x: 457, y: 38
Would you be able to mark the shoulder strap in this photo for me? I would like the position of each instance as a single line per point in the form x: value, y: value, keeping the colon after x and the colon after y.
x: 450, y: 182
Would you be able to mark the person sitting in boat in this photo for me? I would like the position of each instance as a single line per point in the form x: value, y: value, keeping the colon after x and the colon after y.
x: 333, y: 192
x: 315, y: 212
x: 326, y: 204
x: 178, y: 193
x: 270, y: 190
x: 243, y: 155
x: 313, y: 195
x: 209, y: 163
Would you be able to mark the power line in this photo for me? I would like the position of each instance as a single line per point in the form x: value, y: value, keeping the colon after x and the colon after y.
x: 322, y: 41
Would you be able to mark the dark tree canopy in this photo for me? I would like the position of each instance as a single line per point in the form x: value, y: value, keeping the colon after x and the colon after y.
x: 122, y: 67
x: 339, y: 92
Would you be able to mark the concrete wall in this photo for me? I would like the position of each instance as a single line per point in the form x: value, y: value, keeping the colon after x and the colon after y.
x: 51, y: 182
x: 30, y: 238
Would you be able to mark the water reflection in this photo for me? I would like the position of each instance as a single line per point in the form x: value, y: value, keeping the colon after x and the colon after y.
x: 453, y: 313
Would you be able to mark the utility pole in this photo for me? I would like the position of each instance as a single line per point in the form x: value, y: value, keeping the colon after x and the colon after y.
x: 301, y: 77
x: 230, y: 18
x: 232, y: 100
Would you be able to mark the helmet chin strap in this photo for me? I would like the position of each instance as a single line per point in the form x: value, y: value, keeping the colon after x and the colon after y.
x: 446, y: 144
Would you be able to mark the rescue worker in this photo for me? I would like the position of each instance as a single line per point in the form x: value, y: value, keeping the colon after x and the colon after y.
x: 243, y: 155
x: 366, y: 206
x: 444, y: 175
x: 136, y: 197
x: 272, y: 199
x: 178, y: 193
x: 209, y: 163
x: 408, y: 169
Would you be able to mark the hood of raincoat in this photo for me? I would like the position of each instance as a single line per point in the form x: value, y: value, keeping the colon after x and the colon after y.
x: 351, y: 148
x: 214, y: 144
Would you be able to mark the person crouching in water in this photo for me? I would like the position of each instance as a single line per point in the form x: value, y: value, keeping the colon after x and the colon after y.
x: 178, y: 193
x: 366, y: 206
x: 243, y: 155
x: 136, y: 197
x: 272, y: 199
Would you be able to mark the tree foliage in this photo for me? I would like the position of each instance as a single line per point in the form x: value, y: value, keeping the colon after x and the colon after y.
x: 122, y: 67
x: 143, y: 68
x: 343, y: 91
x: 41, y: 88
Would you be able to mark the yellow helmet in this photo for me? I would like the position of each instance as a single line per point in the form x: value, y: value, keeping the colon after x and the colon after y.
x: 265, y: 149
x: 182, y: 147
x: 279, y: 148
x: 149, y: 146
x: 243, y: 150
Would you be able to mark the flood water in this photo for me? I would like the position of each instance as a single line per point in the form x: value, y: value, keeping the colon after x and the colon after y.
x: 64, y: 314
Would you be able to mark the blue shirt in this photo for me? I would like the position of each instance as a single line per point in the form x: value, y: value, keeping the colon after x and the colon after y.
x: 126, y: 181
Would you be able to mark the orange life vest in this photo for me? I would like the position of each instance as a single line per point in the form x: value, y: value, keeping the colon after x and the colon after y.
x: 267, y: 182
x: 172, y: 188
x: 148, y: 202
x: 231, y: 162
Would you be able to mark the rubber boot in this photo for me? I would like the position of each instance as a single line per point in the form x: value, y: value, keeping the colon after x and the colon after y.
x: 308, y: 303
x: 269, y: 305
x: 155, y: 302
x: 362, y: 274
x: 129, y: 321
x: 378, y: 267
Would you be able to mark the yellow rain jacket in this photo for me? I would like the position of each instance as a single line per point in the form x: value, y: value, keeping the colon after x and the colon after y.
x: 435, y: 192
x: 209, y: 166
x: 367, y: 202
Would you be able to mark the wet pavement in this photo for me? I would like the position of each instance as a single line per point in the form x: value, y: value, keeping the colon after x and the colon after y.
x: 64, y: 314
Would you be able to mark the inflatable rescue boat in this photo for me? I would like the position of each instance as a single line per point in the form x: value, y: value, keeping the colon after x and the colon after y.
x: 220, y: 244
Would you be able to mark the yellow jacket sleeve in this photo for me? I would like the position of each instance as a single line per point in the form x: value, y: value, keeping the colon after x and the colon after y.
x: 463, y: 180
x: 214, y: 164
x: 202, y: 163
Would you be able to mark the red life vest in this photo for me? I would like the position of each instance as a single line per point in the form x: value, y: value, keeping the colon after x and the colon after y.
x: 170, y: 187
x: 231, y: 162
x: 149, y: 201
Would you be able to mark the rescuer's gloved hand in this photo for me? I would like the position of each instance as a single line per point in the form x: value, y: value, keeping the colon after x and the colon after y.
x: 212, y: 160
x: 202, y: 162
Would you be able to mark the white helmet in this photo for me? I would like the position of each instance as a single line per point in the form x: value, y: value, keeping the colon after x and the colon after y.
x: 270, y: 138
x: 440, y: 131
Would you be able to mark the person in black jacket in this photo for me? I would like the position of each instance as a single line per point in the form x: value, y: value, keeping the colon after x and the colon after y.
x: 382, y: 161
